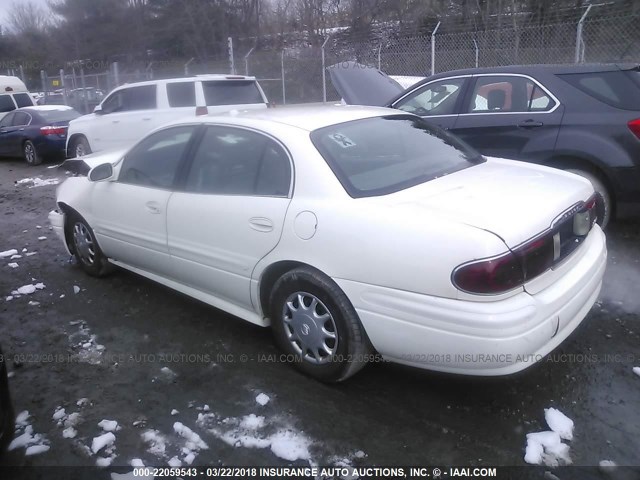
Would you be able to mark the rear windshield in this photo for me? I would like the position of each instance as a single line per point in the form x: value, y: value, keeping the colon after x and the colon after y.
x: 619, y: 89
x: 236, y: 92
x: 381, y: 155
x: 58, y: 115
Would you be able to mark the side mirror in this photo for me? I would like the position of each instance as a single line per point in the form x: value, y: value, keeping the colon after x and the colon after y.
x: 101, y: 172
x: 98, y: 109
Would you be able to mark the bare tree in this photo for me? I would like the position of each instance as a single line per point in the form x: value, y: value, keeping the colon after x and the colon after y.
x: 26, y: 17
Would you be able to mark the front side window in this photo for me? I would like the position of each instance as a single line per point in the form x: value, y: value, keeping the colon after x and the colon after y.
x: 437, y: 98
x: 6, y: 103
x: 382, y: 155
x: 114, y: 102
x: 154, y: 161
x: 512, y: 94
x: 234, y: 161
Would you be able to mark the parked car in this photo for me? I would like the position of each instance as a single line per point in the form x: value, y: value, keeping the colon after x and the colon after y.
x: 130, y: 112
x: 53, y: 99
x: 581, y: 118
x: 13, y: 94
x: 84, y: 100
x: 36, y: 133
x: 347, y: 229
x: 7, y: 417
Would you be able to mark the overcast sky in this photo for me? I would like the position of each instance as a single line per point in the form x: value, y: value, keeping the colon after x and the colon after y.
x: 5, y: 6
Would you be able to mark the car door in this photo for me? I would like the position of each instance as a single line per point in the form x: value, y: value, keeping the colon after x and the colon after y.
x: 130, y: 213
x: 510, y: 116
x: 127, y: 115
x: 16, y: 134
x: 230, y: 211
x: 5, y: 130
x: 438, y: 101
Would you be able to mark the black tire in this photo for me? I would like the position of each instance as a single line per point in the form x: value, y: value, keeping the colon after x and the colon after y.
x: 605, y: 207
x: 30, y: 153
x: 83, y: 245
x: 7, y: 417
x: 351, y: 349
x: 79, y: 147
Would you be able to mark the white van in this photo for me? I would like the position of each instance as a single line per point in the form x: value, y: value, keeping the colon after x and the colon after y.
x: 131, y: 111
x: 13, y: 94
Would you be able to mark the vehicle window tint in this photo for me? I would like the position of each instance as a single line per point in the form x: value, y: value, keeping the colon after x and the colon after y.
x: 613, y: 88
x: 23, y: 100
x: 232, y: 161
x: 438, y: 98
x: 114, y: 102
x: 508, y: 94
x: 154, y: 161
x: 52, y: 116
x: 7, y: 120
x: 382, y: 155
x: 182, y: 94
x: 141, y: 98
x: 6, y: 103
x: 231, y: 92
x: 21, y: 119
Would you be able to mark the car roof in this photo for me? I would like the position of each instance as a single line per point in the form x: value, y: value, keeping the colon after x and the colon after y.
x: 533, y: 69
x: 208, y: 76
x: 305, y: 117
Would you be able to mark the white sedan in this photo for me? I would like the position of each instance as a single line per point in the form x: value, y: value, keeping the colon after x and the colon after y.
x: 356, y: 233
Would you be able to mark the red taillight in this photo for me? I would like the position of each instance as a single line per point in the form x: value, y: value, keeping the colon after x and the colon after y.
x: 53, y: 130
x: 201, y: 111
x: 536, y: 256
x: 491, y: 276
x: 634, y: 126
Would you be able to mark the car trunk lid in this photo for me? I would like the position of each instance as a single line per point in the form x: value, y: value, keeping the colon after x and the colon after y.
x: 362, y: 85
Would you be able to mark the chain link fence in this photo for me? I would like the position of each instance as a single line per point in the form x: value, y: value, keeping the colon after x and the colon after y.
x: 295, y: 74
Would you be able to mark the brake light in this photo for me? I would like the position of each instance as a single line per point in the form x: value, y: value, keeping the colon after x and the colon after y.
x: 490, y: 276
x: 201, y: 111
x: 53, y: 130
x: 634, y: 126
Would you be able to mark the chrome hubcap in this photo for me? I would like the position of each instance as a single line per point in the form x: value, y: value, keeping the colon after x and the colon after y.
x: 29, y: 153
x: 310, y: 328
x: 84, y: 244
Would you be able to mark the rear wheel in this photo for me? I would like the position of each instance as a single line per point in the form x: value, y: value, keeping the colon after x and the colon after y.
x: 80, y: 147
x: 314, y: 322
x: 30, y: 153
x: 85, y: 248
x: 605, y: 208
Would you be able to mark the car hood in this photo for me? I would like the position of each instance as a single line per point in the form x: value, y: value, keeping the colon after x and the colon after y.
x: 515, y: 201
x: 361, y: 85
x: 82, y: 165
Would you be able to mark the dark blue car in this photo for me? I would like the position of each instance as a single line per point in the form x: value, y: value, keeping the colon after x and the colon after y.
x: 36, y: 133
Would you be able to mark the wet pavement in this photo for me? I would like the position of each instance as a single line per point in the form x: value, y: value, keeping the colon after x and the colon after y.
x: 137, y: 351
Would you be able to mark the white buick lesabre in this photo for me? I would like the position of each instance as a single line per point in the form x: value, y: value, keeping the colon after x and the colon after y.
x: 356, y: 233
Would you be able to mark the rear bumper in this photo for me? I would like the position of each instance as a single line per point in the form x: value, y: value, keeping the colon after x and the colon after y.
x: 480, y: 338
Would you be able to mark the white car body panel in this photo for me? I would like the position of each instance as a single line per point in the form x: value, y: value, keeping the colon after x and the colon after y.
x: 392, y: 255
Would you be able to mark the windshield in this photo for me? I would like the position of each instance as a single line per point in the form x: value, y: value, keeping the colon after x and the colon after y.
x: 382, y: 155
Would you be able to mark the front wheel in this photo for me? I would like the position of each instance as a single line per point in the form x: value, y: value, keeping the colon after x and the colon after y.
x: 85, y: 248
x: 605, y: 208
x: 314, y: 322
x: 30, y: 153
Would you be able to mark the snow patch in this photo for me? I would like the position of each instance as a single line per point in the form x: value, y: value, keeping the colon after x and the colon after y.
x: 157, y: 442
x: 38, y: 182
x: 636, y: 370
x: 559, y: 422
x: 8, y: 253
x: 262, y: 399
x: 34, y: 443
x: 108, y: 425
x: 547, y: 447
x: 102, y: 441
x: 12, y: 265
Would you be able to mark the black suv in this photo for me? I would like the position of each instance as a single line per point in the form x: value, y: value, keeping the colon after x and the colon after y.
x: 581, y: 118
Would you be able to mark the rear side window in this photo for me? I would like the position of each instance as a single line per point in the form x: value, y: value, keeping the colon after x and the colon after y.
x: 617, y: 89
x: 181, y: 94
x: 23, y: 100
x: 21, y: 119
x: 6, y: 103
x: 507, y: 93
x: 231, y: 92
